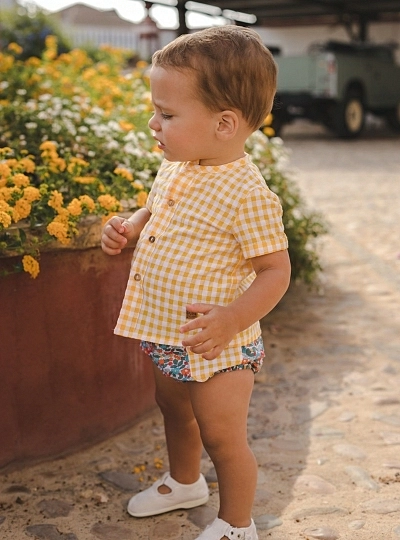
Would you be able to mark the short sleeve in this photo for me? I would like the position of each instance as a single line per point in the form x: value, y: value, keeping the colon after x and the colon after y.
x: 150, y: 198
x: 258, y: 225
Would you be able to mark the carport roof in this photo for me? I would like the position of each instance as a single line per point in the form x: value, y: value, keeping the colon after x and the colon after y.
x: 312, y: 12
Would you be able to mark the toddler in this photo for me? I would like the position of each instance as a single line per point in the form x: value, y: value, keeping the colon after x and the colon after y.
x: 210, y: 261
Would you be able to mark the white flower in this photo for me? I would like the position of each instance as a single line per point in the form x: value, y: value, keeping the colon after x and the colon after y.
x: 31, y: 125
x: 112, y: 145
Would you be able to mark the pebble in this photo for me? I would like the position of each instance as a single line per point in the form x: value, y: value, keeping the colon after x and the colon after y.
x: 17, y: 489
x: 387, y: 401
x: 326, y: 432
x: 392, y: 464
x: 121, y: 480
x: 49, y: 532
x: 267, y: 521
x: 314, y: 484
x: 288, y: 445
x: 396, y: 531
x: 54, y: 508
x: 361, y: 477
x: 201, y: 516
x: 211, y: 475
x: 390, y: 437
x: 381, y: 506
x: 324, y: 533
x: 319, y: 511
x: 357, y: 524
x: 391, y: 419
x: 2, y: 519
x: 104, y: 531
x: 306, y: 412
x: 346, y: 416
x: 167, y: 529
x: 349, y: 450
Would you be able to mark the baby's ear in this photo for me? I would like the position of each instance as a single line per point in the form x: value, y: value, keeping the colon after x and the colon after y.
x: 228, y: 124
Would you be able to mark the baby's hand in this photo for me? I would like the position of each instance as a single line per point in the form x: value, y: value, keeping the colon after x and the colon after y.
x: 217, y: 329
x: 116, y: 234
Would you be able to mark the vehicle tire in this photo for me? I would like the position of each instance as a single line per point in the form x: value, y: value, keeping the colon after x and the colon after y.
x: 393, y: 118
x: 350, y: 116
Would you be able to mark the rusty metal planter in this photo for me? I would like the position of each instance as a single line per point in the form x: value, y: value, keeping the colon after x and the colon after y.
x: 66, y: 381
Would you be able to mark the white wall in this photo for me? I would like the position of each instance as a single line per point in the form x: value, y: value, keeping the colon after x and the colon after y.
x: 294, y: 41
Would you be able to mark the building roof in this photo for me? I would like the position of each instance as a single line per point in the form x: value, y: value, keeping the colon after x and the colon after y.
x: 304, y: 12
x: 81, y: 14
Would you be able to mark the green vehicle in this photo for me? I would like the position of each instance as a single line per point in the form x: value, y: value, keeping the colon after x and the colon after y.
x: 336, y: 84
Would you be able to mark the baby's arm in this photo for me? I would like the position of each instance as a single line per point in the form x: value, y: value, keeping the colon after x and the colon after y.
x: 118, y: 232
x: 220, y: 324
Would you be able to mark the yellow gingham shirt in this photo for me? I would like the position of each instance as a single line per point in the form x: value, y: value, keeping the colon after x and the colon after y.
x: 206, y: 224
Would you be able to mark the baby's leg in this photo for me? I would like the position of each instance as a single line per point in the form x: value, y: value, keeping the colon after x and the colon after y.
x: 181, y: 429
x: 221, y: 407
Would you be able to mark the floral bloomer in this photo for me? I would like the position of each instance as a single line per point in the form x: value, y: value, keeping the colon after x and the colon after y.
x: 174, y: 361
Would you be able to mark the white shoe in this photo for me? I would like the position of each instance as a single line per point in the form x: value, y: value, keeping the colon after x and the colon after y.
x: 151, y: 502
x: 220, y: 528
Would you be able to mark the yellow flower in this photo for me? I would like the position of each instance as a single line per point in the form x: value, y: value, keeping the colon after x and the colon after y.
x: 5, y: 170
x: 27, y: 165
x: 137, y: 184
x: 126, y: 126
x: 268, y: 120
x: 5, y: 150
x: 21, y: 210
x: 33, y: 61
x: 59, y: 230
x: 6, y: 193
x: 158, y: 463
x: 75, y: 163
x: 75, y: 207
x: 56, y: 200
x: 109, y: 203
x: 268, y: 131
x: 85, y: 179
x: 20, y: 180
x: 141, y: 199
x: 4, y: 206
x: 56, y: 164
x: 62, y: 216
x: 14, y: 47
x: 51, y: 48
x: 31, y: 194
x: 31, y: 266
x: 141, y: 64
x: 120, y: 171
x: 48, y: 146
x: 87, y: 202
x: 12, y: 163
x: 5, y: 219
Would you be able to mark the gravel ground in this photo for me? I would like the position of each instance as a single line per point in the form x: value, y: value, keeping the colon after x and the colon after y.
x: 325, y: 414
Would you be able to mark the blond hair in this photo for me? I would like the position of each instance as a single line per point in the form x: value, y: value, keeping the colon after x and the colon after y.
x: 233, y: 69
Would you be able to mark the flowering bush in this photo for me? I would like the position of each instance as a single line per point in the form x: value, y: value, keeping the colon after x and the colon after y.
x: 74, y: 142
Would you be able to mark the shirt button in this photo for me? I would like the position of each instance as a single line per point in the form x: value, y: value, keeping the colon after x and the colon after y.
x: 137, y: 277
x: 152, y: 239
x: 171, y: 202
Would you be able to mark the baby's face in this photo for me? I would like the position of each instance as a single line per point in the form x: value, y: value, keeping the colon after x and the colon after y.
x: 183, y: 126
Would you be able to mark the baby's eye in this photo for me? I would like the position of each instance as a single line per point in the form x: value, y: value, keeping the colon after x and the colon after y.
x: 166, y: 116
